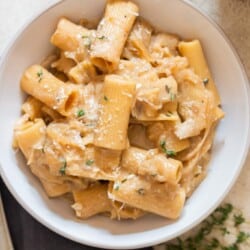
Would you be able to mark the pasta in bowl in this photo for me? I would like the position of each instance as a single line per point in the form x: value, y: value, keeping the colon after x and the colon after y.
x: 120, y: 119
x: 123, y: 117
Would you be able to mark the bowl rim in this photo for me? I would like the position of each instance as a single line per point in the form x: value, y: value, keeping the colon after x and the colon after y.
x: 161, y: 239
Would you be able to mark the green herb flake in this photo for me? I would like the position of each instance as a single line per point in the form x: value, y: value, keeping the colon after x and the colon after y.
x: 238, y: 219
x: 80, y: 113
x: 180, y: 242
x: 124, y: 180
x: 167, y: 88
x: 141, y: 191
x: 242, y: 237
x: 40, y: 75
x: 101, y: 37
x: 86, y: 41
x: 89, y: 162
x: 170, y: 152
x: 163, y: 145
x: 62, y: 170
x: 214, y: 244
x: 172, y: 97
x: 105, y: 98
x: 166, y: 151
x: 224, y: 230
x: 169, y: 114
x: 205, y: 81
x: 116, y: 186
x: 221, y: 214
x: 215, y: 221
x: 232, y: 247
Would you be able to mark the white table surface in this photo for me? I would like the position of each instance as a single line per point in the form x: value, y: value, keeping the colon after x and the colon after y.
x: 232, y: 15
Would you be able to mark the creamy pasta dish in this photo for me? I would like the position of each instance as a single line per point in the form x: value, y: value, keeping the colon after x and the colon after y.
x: 121, y: 117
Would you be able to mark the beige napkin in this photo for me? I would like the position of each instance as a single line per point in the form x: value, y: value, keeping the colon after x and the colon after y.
x: 5, y: 241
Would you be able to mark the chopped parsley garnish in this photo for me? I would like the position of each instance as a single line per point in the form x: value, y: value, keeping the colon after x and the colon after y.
x: 40, y: 75
x: 172, y: 97
x: 167, y: 88
x: 213, y: 244
x: 124, y: 180
x: 62, y: 170
x: 86, y: 41
x: 238, y: 219
x: 232, y: 247
x: 141, y: 191
x: 101, y: 37
x: 221, y: 214
x: 169, y: 113
x: 116, y: 186
x: 80, y: 113
x: 206, y: 81
x: 89, y: 162
x: 170, y: 152
x: 105, y: 98
x: 163, y: 145
x: 242, y: 236
x: 167, y: 151
x: 202, y: 239
x: 224, y: 230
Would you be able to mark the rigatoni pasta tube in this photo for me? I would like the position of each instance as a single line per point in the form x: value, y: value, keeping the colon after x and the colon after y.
x: 68, y: 35
x: 112, y: 33
x: 83, y: 72
x: 30, y: 136
x: 118, y: 96
x: 160, y: 198
x: 132, y: 158
x: 41, y: 84
x: 123, y: 211
x: 162, y: 169
x: 157, y: 166
x: 54, y: 189
x: 164, y: 132
x: 194, y: 53
x: 91, y: 201
x: 33, y: 108
x: 139, y: 40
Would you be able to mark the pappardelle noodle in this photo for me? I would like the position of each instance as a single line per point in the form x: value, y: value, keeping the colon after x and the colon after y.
x: 121, y: 116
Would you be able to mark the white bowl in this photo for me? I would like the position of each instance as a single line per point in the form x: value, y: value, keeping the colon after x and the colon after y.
x: 230, y: 147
